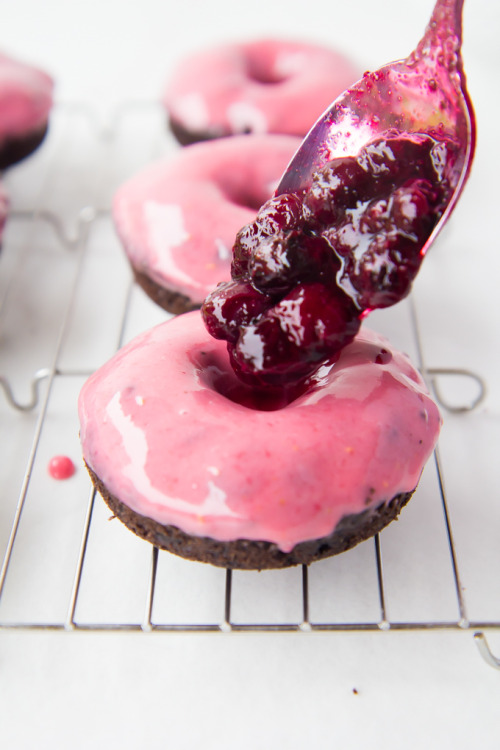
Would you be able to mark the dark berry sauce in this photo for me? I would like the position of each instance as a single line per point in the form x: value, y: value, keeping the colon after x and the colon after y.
x: 316, y: 261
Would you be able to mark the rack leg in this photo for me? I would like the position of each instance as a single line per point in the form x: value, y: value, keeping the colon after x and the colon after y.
x: 485, y: 651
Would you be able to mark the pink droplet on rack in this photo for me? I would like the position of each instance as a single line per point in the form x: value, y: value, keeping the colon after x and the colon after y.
x: 61, y: 467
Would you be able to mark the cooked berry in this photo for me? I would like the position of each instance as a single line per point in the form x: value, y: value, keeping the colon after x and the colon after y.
x: 312, y: 264
x: 278, y: 215
x: 303, y: 328
x: 392, y: 160
x: 231, y: 306
x: 413, y: 208
x: 383, y: 357
x: 333, y: 189
x: 381, y: 244
x: 280, y: 262
x: 384, y: 272
x: 376, y: 217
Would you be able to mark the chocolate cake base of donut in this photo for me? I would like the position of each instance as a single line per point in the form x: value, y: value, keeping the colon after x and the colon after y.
x: 169, y: 300
x: 187, y: 137
x: 247, y: 554
x: 13, y: 150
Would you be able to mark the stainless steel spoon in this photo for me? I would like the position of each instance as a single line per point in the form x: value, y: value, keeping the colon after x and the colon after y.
x: 424, y: 93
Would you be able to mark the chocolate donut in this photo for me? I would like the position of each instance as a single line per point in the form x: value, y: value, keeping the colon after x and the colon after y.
x: 198, y: 463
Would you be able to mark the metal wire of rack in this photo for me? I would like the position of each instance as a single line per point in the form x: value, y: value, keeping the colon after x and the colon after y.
x: 228, y: 610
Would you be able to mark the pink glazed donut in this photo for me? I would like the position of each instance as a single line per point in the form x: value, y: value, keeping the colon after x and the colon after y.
x: 177, y: 219
x: 25, y: 103
x: 267, y: 86
x: 197, y: 463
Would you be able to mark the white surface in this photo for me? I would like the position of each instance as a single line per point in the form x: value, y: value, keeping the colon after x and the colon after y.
x: 423, y: 688
x: 248, y: 691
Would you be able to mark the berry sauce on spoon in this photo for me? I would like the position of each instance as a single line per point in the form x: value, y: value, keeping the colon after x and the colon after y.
x: 353, y: 216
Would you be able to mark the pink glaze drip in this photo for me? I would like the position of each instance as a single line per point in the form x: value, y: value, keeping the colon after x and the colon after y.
x: 168, y: 442
x: 25, y: 98
x: 61, y: 467
x: 177, y: 219
x: 266, y: 86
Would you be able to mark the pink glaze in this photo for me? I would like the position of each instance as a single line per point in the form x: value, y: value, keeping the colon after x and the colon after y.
x: 61, y: 467
x: 4, y: 205
x: 177, y: 219
x: 159, y: 430
x: 25, y: 98
x: 267, y: 86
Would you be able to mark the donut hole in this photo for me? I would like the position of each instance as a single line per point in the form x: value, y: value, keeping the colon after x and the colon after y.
x: 247, y: 200
x: 262, y: 70
x: 215, y: 374
x: 239, y: 194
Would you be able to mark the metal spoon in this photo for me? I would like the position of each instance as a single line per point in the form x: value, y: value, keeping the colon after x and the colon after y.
x: 425, y: 93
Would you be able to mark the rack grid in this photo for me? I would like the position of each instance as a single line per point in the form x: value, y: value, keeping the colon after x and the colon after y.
x: 67, y: 302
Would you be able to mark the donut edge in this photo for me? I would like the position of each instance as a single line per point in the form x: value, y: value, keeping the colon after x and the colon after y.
x: 15, y: 149
x: 245, y: 554
x: 186, y: 137
x: 170, y: 300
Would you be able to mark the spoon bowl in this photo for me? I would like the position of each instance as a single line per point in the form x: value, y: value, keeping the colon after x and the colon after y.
x: 425, y: 93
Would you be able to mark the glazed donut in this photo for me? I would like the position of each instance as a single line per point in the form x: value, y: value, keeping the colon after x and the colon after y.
x: 25, y: 103
x: 199, y: 464
x: 178, y: 218
x: 266, y: 86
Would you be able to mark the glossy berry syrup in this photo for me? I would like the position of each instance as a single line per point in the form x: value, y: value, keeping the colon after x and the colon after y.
x: 314, y: 263
x: 353, y: 216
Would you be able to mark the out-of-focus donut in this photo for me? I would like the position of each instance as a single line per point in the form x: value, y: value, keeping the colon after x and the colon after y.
x: 177, y: 219
x: 266, y: 86
x: 25, y: 102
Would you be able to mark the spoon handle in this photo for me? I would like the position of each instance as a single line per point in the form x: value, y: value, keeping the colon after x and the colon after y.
x: 426, y: 93
x: 443, y: 34
x: 439, y: 50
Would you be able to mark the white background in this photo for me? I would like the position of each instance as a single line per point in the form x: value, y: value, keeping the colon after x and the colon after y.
x: 159, y: 690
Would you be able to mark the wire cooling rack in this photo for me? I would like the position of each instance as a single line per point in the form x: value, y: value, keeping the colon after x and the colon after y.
x: 67, y: 302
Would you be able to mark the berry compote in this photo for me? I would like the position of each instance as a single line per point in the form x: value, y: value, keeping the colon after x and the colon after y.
x: 353, y: 215
x: 316, y: 261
